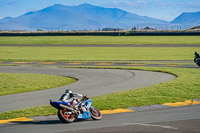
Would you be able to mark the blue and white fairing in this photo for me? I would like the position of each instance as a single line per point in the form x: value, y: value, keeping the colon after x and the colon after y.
x: 85, y: 107
x: 56, y: 104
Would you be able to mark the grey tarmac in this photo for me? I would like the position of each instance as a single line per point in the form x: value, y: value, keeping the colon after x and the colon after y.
x: 110, y: 63
x: 176, y: 120
x: 93, y: 82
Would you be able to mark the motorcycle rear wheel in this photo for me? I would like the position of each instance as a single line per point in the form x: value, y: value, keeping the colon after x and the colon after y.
x: 65, y: 118
x: 95, y: 114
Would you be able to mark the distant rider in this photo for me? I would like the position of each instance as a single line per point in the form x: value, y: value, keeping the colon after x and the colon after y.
x: 197, y: 58
x: 72, y: 98
x: 197, y: 55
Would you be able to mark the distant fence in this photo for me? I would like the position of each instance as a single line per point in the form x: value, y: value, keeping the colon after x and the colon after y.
x: 180, y: 33
x: 107, y: 33
x: 63, y: 34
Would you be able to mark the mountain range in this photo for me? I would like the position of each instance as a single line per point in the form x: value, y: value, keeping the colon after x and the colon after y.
x: 188, y: 18
x: 84, y: 16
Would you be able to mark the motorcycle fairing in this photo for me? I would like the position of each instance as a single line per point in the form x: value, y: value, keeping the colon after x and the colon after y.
x: 85, y: 115
x: 56, y: 104
x: 85, y: 107
x: 87, y: 104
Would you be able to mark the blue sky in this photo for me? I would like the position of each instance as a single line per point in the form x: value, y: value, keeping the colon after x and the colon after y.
x: 161, y: 9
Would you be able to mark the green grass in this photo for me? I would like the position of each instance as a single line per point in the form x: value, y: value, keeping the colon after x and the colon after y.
x: 185, y: 86
x: 95, y: 54
x: 101, y: 40
x: 12, y: 83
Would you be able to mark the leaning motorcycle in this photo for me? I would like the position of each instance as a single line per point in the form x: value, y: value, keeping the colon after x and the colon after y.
x: 197, y: 58
x: 85, y: 111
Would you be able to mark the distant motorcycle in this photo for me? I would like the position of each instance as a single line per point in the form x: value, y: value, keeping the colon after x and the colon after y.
x: 197, y: 58
x: 68, y: 115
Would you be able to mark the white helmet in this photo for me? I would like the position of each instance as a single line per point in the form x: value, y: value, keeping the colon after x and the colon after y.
x: 68, y: 91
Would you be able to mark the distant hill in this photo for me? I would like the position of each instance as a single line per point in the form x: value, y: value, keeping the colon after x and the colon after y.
x: 80, y: 17
x: 188, y: 18
x: 196, y: 28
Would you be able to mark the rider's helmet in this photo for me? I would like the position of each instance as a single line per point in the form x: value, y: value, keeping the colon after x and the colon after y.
x: 69, y: 93
x: 197, y: 55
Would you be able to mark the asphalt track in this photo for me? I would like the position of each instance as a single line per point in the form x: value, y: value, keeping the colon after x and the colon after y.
x: 162, y: 63
x: 171, y: 120
x: 92, y: 82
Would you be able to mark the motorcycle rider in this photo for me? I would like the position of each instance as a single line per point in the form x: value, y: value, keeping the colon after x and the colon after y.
x: 72, y: 98
x: 197, y: 58
x: 197, y: 55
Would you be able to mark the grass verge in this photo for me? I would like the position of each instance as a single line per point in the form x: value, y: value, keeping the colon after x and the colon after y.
x: 99, y: 40
x: 56, y: 54
x: 12, y: 83
x: 185, y: 86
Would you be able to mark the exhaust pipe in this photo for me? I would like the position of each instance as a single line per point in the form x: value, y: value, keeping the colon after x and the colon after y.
x: 66, y: 107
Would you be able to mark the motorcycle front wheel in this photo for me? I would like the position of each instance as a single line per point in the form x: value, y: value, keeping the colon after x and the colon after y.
x: 95, y: 114
x: 65, y: 118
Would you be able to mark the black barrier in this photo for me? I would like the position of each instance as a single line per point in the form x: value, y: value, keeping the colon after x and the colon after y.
x: 65, y: 34
x: 164, y: 33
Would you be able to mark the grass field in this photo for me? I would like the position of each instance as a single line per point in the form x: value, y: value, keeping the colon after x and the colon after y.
x: 101, y: 40
x: 12, y: 83
x: 95, y: 54
x: 185, y: 86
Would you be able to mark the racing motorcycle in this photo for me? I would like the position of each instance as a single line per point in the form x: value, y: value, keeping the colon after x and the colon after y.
x: 85, y: 111
x: 197, y: 58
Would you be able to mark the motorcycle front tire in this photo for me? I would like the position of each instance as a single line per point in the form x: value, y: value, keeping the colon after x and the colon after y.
x: 65, y: 118
x: 95, y: 114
